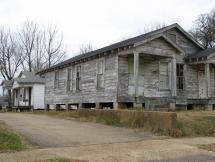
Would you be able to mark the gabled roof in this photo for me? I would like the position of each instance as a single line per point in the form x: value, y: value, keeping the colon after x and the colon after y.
x: 121, y: 45
x: 29, y: 78
x: 204, y: 53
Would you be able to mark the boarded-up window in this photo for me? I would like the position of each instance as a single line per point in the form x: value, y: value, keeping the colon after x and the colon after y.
x: 78, y: 78
x: 180, y: 76
x: 56, y: 81
x: 140, y: 72
x: 100, y: 74
x: 172, y: 37
x: 163, y: 75
x: 69, y: 80
x: 131, y: 70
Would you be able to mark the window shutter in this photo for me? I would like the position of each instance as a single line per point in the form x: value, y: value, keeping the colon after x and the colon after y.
x: 163, y: 75
x: 100, y: 73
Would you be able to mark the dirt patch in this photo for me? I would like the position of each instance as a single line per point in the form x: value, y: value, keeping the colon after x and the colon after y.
x: 141, y: 151
x: 45, y: 131
x: 59, y: 160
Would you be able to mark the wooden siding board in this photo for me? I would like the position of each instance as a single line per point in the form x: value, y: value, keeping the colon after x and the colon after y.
x: 89, y: 93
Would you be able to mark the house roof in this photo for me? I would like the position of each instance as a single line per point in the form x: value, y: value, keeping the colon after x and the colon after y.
x: 122, y: 44
x: 203, y: 53
x: 26, y: 77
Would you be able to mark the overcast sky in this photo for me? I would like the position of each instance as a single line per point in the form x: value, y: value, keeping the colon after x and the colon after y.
x: 101, y: 22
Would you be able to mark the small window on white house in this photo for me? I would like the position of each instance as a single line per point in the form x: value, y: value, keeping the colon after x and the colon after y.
x: 69, y: 80
x: 78, y: 78
x: 163, y: 76
x: 24, y: 94
x: 100, y: 74
x: 56, y: 81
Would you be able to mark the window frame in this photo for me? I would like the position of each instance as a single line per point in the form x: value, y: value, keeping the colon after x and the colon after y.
x: 167, y: 76
x: 78, y: 78
x: 175, y: 35
x: 56, y: 79
x: 102, y: 74
x: 179, y: 76
x: 69, y: 80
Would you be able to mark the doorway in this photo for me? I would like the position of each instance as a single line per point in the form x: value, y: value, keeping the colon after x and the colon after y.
x: 202, y: 83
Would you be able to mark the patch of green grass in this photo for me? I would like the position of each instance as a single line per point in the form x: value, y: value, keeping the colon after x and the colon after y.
x: 111, y: 120
x: 9, y: 141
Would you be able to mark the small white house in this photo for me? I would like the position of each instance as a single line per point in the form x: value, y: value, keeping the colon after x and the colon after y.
x: 28, y: 91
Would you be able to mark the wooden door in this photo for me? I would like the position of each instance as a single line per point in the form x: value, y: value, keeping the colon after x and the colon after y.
x: 202, y: 84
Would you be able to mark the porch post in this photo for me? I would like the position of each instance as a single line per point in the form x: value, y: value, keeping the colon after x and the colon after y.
x: 207, y: 74
x: 136, y: 72
x: 174, y: 80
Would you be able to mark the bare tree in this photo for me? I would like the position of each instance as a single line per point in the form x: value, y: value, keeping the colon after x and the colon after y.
x: 10, y: 55
x: 85, y: 48
x: 42, y: 48
x: 204, y: 29
x: 54, y: 48
x: 39, y: 52
x: 27, y: 38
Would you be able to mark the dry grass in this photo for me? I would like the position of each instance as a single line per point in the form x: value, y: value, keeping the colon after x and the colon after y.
x: 209, y: 147
x: 189, y: 123
x: 196, y: 123
x: 157, y: 122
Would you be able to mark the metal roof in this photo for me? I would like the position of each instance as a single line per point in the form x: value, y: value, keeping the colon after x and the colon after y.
x: 203, y: 53
x: 125, y: 43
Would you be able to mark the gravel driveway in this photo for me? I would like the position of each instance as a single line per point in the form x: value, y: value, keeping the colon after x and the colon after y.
x: 44, y: 131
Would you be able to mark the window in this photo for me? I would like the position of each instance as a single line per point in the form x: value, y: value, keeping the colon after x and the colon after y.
x: 180, y: 76
x: 163, y: 76
x: 69, y: 80
x: 78, y: 78
x: 172, y: 37
x: 100, y: 74
x: 56, y: 81
x: 131, y: 71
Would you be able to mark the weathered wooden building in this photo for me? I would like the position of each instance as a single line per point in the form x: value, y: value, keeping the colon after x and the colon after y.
x: 165, y: 68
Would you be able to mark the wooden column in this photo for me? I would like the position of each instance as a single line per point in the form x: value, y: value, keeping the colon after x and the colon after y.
x: 98, y: 105
x: 47, y: 107
x: 174, y: 79
x: 57, y: 107
x: 136, y: 73
x: 207, y: 75
x: 80, y: 105
x: 67, y: 107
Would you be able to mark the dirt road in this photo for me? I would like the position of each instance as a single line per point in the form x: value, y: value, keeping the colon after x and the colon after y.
x: 45, y: 131
x: 98, y: 143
